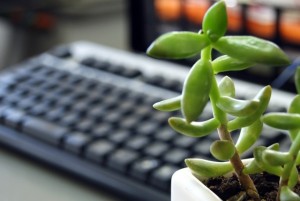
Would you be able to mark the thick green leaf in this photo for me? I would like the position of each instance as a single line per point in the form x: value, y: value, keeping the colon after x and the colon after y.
x: 280, y: 120
x: 295, y: 105
x: 248, y: 136
x: 294, y: 108
x: 274, y: 147
x: 194, y: 129
x: 298, y: 159
x: 222, y: 150
x: 297, y: 79
x: 178, y: 45
x: 237, y: 107
x: 215, y: 21
x: 205, y: 168
x: 170, y: 104
x: 255, y: 166
x: 252, y: 168
x: 286, y: 194
x: 258, y: 153
x: 225, y: 63
x: 263, y: 97
x: 252, y: 49
x: 196, y: 88
x: 226, y: 87
x: 276, y: 158
x: 293, y: 179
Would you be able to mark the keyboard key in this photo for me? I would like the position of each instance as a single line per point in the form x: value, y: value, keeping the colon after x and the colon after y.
x: 161, y: 177
x: 101, y: 65
x: 89, y: 61
x: 165, y: 134
x: 147, y: 128
x: 55, y: 114
x: 84, y: 125
x: 137, y: 143
x: 70, y: 119
x: 156, y: 149
x: 13, y: 117
x: 98, y: 150
x: 131, y: 73
x: 143, y: 167
x: 75, y: 142
x: 44, y: 130
x: 184, y: 141
x: 202, y: 147
x: 129, y: 122
x: 102, y: 130
x: 121, y: 159
x: 176, y: 156
x: 119, y: 136
x: 62, y: 52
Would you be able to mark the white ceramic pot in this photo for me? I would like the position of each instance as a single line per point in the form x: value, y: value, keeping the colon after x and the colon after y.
x: 186, y: 187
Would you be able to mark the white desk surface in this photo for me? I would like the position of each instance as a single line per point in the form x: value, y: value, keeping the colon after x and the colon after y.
x: 26, y: 180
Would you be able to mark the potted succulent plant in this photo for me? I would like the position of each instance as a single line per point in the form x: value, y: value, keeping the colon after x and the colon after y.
x: 246, y: 116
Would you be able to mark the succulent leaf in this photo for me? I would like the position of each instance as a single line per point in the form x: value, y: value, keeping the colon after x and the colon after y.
x: 293, y: 179
x: 178, y: 45
x: 222, y: 150
x: 295, y: 105
x: 196, y: 88
x: 263, y: 97
x: 215, y: 21
x: 194, y: 129
x: 286, y: 194
x: 252, y: 49
x: 258, y: 153
x: 205, y: 168
x: 170, y: 104
x: 274, y: 147
x: 248, y: 136
x: 280, y: 120
x: 226, y: 87
x: 252, y: 168
x: 237, y: 107
x: 276, y: 158
x: 225, y: 63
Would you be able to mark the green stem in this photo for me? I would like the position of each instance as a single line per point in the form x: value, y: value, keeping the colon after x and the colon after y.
x: 214, y: 97
x: 287, y: 169
x: 238, y: 166
x: 206, y: 53
x: 224, y: 134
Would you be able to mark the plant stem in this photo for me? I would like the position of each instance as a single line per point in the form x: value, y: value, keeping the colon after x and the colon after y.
x: 238, y: 166
x: 206, y: 53
x: 287, y: 169
x: 224, y: 134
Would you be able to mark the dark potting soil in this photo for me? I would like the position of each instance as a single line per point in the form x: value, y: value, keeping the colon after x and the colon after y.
x: 265, y: 183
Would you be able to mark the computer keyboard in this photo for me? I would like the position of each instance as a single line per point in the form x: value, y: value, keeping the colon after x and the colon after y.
x: 87, y: 109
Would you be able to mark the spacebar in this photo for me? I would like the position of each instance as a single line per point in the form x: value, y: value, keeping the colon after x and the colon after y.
x: 44, y: 130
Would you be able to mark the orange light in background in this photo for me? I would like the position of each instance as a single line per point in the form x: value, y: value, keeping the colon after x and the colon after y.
x: 261, y: 21
x: 168, y: 10
x: 234, y: 18
x: 194, y: 10
x: 290, y: 26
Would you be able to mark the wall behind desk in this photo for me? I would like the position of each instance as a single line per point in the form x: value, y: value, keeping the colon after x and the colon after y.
x: 99, y: 21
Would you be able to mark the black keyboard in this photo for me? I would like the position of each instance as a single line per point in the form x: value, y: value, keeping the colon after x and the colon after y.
x: 87, y: 110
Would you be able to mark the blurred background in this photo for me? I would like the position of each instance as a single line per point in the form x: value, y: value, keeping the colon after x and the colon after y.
x: 31, y: 27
